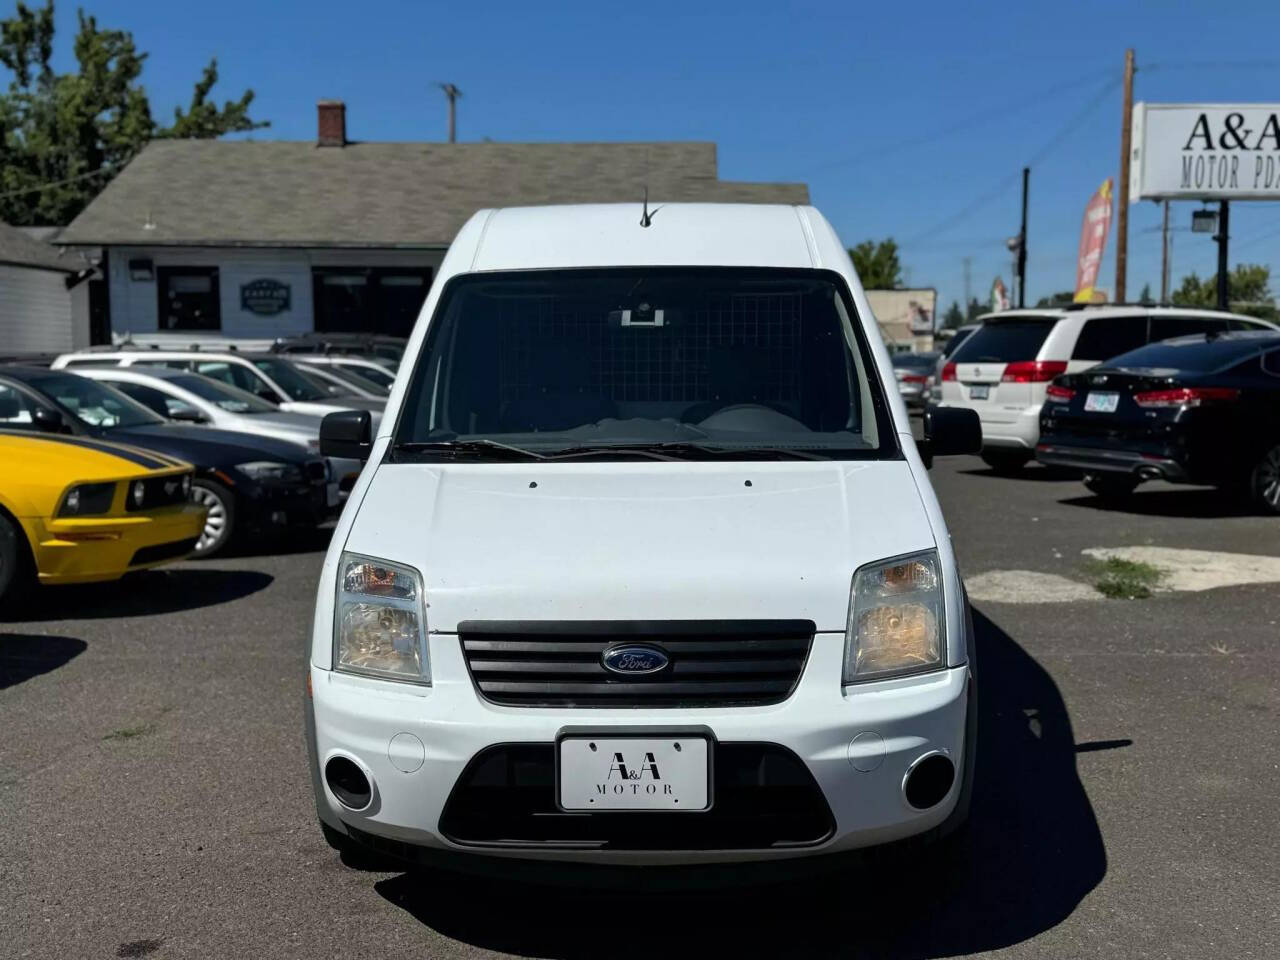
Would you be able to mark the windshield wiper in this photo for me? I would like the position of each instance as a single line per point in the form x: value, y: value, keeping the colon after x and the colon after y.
x: 466, y: 446
x: 672, y: 450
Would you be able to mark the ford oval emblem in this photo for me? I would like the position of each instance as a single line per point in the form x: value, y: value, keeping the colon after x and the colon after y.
x: 634, y: 660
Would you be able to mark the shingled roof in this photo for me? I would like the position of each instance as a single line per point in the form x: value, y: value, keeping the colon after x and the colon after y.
x: 16, y: 248
x: 409, y: 195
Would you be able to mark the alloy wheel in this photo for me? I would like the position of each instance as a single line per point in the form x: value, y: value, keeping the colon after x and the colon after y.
x: 1268, y: 479
x: 215, y: 521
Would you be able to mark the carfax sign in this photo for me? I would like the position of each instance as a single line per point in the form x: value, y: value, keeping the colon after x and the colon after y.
x: 1207, y: 151
x: 265, y: 297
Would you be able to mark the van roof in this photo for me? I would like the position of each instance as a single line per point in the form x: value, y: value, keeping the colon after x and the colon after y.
x: 1087, y: 311
x: 680, y: 234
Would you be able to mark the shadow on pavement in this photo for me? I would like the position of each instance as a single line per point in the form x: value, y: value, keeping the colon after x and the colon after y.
x: 166, y: 590
x: 1032, y: 472
x: 1032, y: 852
x: 24, y: 655
x: 277, y: 544
x: 1192, y: 502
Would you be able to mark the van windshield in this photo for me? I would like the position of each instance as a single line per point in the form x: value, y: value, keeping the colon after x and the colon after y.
x: 661, y: 363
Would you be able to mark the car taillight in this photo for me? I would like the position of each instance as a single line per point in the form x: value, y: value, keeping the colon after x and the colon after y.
x: 1185, y: 397
x: 1033, y: 371
x: 1059, y: 394
x: 949, y: 371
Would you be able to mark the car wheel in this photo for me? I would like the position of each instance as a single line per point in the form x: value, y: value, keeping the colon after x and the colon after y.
x: 1111, y: 486
x: 1005, y: 461
x: 12, y: 557
x: 1265, y: 481
x: 219, y: 523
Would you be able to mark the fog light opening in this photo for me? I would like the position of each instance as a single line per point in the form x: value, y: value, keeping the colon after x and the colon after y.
x: 928, y: 781
x: 348, y: 783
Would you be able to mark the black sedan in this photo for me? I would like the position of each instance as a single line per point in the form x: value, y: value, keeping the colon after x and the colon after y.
x: 1203, y: 409
x: 246, y: 482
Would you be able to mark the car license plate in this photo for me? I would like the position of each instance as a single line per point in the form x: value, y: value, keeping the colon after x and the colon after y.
x: 979, y: 392
x: 647, y: 772
x: 1101, y: 402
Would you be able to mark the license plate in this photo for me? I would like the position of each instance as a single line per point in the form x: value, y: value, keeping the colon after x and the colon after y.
x: 1101, y: 402
x: 647, y: 772
x: 980, y: 392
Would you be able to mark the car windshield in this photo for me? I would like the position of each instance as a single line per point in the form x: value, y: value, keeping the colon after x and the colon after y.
x: 1193, y: 354
x: 379, y: 376
x: 289, y: 379
x: 221, y: 395
x: 1005, y: 341
x: 353, y: 378
x: 671, y: 363
x: 94, y: 403
x: 914, y: 361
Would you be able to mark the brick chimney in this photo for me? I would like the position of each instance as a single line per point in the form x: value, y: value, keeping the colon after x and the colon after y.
x: 331, y: 127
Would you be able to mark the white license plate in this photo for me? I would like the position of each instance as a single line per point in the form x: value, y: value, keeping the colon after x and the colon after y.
x: 1101, y: 402
x: 980, y: 392
x: 634, y: 773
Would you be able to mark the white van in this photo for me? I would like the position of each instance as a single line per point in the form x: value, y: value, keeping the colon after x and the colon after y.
x: 645, y: 567
x: 1003, y: 369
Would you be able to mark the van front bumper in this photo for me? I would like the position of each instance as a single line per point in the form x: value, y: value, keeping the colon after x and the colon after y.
x: 858, y: 744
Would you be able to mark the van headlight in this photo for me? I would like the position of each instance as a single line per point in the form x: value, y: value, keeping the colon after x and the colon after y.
x: 379, y: 626
x: 896, y: 619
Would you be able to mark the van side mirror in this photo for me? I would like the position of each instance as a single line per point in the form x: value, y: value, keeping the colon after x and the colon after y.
x: 47, y: 420
x: 949, y: 432
x: 347, y: 435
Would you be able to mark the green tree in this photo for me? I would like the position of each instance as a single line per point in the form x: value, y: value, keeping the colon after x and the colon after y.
x: 954, y: 316
x: 1145, y: 298
x: 976, y: 309
x: 877, y: 264
x: 78, y: 129
x: 1059, y: 299
x: 1248, y: 291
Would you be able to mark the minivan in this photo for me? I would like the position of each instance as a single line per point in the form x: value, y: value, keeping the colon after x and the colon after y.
x: 1005, y: 366
x: 644, y: 566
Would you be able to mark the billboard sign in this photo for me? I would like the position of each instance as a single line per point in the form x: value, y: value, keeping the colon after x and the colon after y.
x: 1093, y: 241
x: 1205, y: 151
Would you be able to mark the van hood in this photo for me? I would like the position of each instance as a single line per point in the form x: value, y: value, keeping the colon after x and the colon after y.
x: 640, y: 541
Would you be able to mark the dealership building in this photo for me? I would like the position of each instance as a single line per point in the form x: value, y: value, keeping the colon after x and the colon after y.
x: 262, y: 239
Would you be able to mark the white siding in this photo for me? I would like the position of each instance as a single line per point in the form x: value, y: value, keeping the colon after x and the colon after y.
x: 134, y: 305
x: 35, y: 310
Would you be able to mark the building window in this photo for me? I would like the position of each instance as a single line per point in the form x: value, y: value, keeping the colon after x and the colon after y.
x: 382, y: 300
x: 188, y: 298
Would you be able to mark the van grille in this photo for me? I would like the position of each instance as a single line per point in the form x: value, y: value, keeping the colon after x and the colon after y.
x: 711, y: 662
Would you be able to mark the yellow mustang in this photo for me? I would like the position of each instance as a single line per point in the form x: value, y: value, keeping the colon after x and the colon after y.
x: 74, y: 510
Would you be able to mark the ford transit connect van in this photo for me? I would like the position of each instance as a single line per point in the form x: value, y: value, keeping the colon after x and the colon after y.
x: 645, y: 566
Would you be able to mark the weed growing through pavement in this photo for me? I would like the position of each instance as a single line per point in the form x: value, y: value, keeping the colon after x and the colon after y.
x: 1124, y: 579
x: 129, y: 733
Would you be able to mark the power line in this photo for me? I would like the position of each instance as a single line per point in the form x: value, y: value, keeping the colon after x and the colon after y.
x: 57, y: 183
x: 974, y: 120
x: 1067, y: 129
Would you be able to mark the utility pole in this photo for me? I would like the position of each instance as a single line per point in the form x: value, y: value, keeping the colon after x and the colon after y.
x: 1126, y: 144
x: 453, y: 93
x: 1164, y: 256
x: 968, y: 296
x: 1224, y: 212
x: 1022, y: 241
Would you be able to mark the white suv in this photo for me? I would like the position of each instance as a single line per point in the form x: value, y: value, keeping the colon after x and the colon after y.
x: 645, y: 566
x: 1003, y: 369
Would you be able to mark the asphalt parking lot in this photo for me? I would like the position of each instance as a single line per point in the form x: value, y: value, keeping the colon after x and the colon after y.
x: 156, y: 801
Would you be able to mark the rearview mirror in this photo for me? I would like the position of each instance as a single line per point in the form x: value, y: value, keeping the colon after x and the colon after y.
x: 347, y: 435
x: 47, y: 420
x: 949, y: 432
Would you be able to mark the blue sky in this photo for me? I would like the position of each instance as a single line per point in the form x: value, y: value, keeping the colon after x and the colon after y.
x: 910, y: 120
